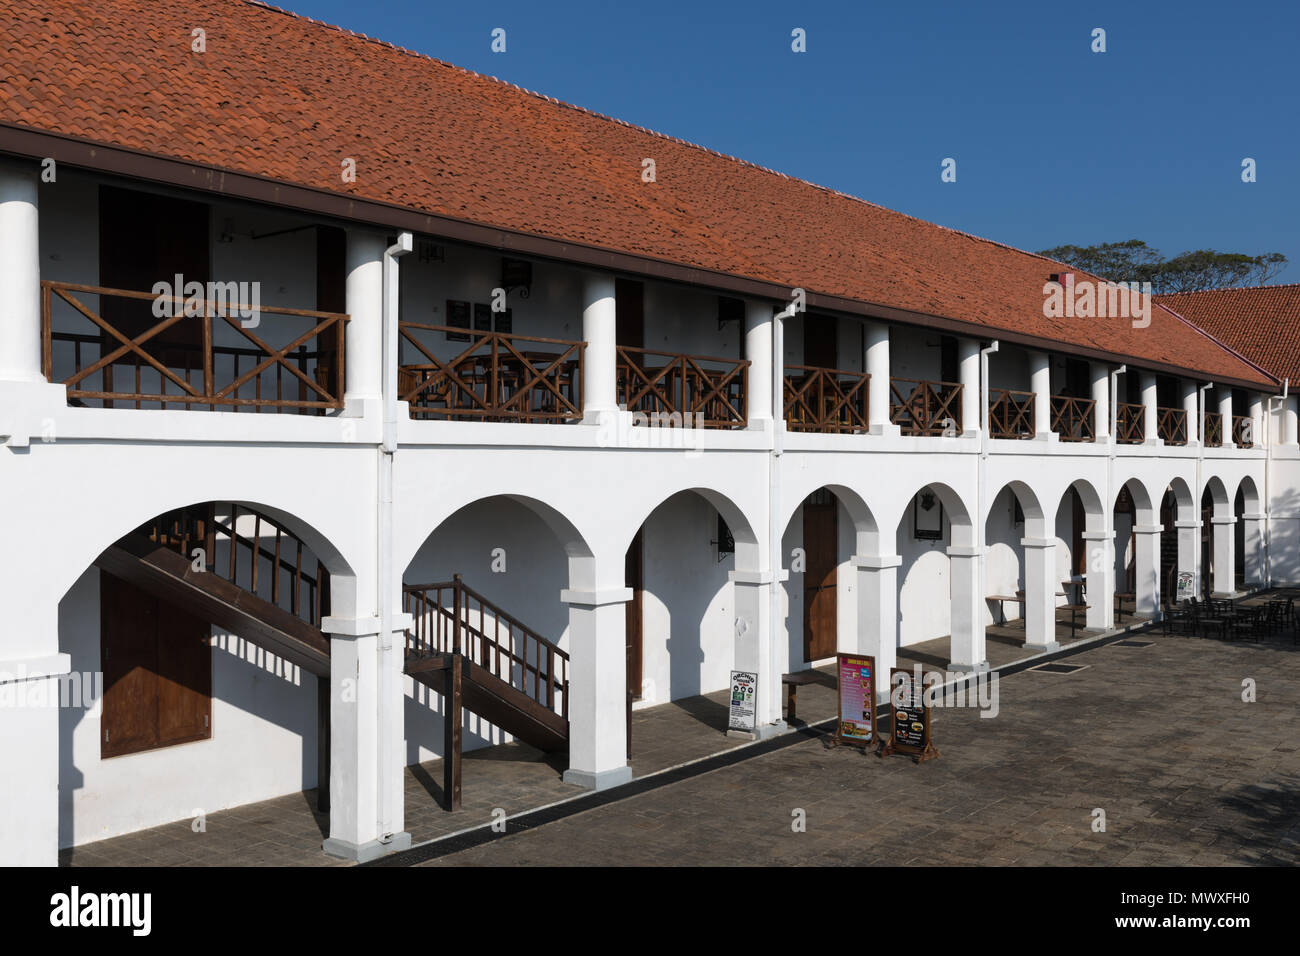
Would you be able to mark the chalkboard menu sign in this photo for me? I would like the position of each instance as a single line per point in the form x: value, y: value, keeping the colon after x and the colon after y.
x: 857, y: 690
x: 909, y: 717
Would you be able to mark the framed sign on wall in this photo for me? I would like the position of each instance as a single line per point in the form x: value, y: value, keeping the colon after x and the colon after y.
x: 927, y: 517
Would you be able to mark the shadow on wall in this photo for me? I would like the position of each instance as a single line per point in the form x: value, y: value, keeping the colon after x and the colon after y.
x: 1284, y: 537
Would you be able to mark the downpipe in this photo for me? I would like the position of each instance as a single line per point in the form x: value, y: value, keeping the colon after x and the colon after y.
x: 1199, y: 490
x: 384, y: 523
x: 1108, y: 506
x: 774, y: 493
x: 1268, y: 472
x: 981, y: 480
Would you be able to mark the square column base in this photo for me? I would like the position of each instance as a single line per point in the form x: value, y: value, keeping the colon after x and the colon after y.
x: 968, y: 668
x: 760, y: 733
x: 598, y: 780
x: 1044, y: 648
x: 365, y: 852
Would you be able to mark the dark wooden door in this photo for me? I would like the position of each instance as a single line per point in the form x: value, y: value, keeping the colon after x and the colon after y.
x: 820, y: 349
x: 821, y: 554
x: 1078, y: 520
x: 629, y: 313
x: 634, y: 568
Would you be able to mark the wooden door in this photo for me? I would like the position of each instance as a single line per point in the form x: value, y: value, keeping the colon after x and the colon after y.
x: 821, y: 554
x: 634, y: 568
x: 1078, y: 520
x: 629, y: 313
x: 820, y: 348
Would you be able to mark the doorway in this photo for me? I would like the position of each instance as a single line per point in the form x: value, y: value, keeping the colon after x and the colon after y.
x: 821, y: 556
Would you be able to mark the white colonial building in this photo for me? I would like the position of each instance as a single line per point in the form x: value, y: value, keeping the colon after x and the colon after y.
x: 476, y: 417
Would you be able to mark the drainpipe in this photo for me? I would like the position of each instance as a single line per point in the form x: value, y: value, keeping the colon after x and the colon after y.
x: 982, y: 476
x: 1108, y: 506
x: 1196, y: 494
x: 774, y: 489
x: 384, y: 585
x: 1268, y: 472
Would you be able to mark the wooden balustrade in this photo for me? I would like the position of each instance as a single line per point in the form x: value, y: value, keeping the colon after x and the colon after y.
x: 1243, y: 431
x: 494, y: 376
x: 452, y: 618
x: 1130, y: 423
x: 1011, y: 414
x: 133, y: 357
x: 1213, y: 430
x: 1074, y: 419
x: 1171, y: 425
x: 925, y: 408
x: 825, y: 400
x: 683, y: 390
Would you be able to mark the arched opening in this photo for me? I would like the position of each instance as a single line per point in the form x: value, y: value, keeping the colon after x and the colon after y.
x: 1178, y: 543
x: 1249, y: 538
x: 1084, y: 568
x: 1020, y: 559
x: 205, y: 624
x: 1137, y: 549
x: 1218, y: 547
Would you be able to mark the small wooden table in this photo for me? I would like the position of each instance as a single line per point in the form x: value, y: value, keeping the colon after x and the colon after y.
x: 1119, y: 606
x: 1074, y: 610
x: 1018, y: 597
x: 792, y: 683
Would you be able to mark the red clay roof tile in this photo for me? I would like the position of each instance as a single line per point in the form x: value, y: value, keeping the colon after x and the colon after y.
x: 1262, y: 323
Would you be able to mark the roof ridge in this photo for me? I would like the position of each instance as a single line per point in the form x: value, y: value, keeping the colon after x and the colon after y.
x: 1234, y: 288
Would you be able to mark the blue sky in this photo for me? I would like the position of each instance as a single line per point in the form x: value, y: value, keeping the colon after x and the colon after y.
x: 1053, y: 143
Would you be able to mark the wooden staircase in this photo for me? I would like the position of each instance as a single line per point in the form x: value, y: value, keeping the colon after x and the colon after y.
x: 269, y: 589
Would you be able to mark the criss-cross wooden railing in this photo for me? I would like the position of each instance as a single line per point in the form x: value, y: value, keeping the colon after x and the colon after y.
x: 492, y: 376
x: 260, y: 556
x: 683, y: 390
x: 925, y: 408
x: 450, y: 617
x: 825, y: 400
x: 1171, y: 425
x: 1130, y: 423
x: 1213, y: 430
x: 1011, y: 414
x: 1074, y: 419
x: 1243, y: 431
x: 142, y: 360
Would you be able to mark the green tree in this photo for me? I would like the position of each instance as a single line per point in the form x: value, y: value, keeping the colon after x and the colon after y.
x: 1134, y: 261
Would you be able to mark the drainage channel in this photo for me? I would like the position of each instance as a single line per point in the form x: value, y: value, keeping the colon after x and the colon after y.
x: 533, y: 819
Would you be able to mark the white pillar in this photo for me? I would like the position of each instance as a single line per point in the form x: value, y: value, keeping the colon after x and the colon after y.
x: 878, y: 395
x: 367, y: 807
x: 1100, y: 373
x: 365, y: 305
x: 1147, y: 560
x: 1225, y: 413
x: 1291, y: 420
x: 877, y: 611
x: 1099, y: 572
x: 968, y: 358
x: 597, y: 687
x: 20, y: 275
x: 1225, y: 556
x: 758, y: 349
x: 1040, y: 382
x: 1256, y: 419
x: 1190, y: 411
x: 1041, y: 582
x: 1189, y: 552
x: 29, y: 752
x: 600, y: 359
x: 1253, y: 548
x: 1150, y: 432
x: 756, y: 644
x: 967, y: 642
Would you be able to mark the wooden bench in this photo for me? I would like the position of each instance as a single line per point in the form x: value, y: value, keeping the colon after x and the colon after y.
x: 1018, y: 597
x: 1074, y: 610
x: 792, y: 683
x: 1120, y: 598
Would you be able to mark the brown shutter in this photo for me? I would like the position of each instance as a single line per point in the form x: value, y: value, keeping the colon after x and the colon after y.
x: 184, y: 676
x: 128, y: 650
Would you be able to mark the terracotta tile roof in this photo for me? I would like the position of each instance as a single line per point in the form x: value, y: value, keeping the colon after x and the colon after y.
x: 1262, y: 323
x: 285, y: 97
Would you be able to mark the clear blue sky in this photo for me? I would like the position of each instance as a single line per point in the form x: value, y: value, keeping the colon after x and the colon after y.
x: 1053, y: 143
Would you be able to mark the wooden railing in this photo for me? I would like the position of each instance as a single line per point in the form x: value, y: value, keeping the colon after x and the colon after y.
x: 1213, y: 430
x: 825, y: 400
x: 493, y: 377
x: 1130, y: 423
x: 1243, y: 431
x: 1011, y: 414
x: 1074, y: 419
x: 683, y: 390
x: 453, y: 618
x: 925, y: 408
x: 1171, y: 425
x: 262, y: 557
x: 137, y: 359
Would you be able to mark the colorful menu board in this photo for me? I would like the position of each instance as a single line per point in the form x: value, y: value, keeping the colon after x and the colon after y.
x: 857, y: 681
x: 909, y: 717
x: 744, y: 694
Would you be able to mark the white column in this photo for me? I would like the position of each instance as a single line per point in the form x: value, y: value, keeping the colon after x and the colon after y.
x: 755, y: 644
x: 20, y: 275
x: 967, y: 642
x: 1257, y: 419
x: 365, y: 305
x: 968, y: 359
x: 878, y: 367
x: 877, y: 611
x: 1291, y: 420
x: 1101, y: 397
x: 597, y: 687
x: 758, y: 349
x: 1150, y: 434
x: 1040, y: 382
x: 1190, y: 411
x: 1253, y: 548
x: 1225, y: 412
x: 1099, y: 572
x: 1189, y: 552
x: 1147, y: 559
x: 1040, y: 593
x: 600, y: 359
x: 1225, y: 556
